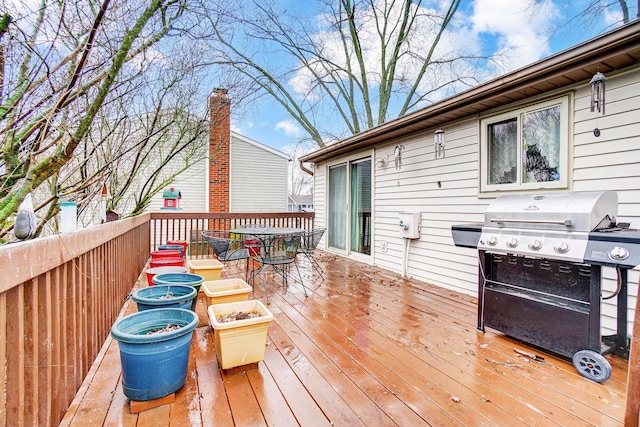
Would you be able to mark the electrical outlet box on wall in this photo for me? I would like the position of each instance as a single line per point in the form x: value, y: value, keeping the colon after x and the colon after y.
x: 409, y: 224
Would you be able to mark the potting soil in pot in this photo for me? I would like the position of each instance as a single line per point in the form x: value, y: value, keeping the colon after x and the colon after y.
x: 165, y: 296
x: 240, y: 315
x: 188, y: 279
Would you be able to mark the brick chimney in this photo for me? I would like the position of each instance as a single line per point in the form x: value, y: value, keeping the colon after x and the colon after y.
x: 219, y: 141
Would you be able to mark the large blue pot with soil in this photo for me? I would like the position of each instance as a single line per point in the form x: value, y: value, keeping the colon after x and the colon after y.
x: 165, y: 296
x: 189, y: 279
x: 154, y: 351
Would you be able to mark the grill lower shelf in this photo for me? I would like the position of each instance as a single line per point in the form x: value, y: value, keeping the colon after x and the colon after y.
x: 554, y: 325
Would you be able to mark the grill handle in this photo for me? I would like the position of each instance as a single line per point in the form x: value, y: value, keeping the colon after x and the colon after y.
x: 566, y: 222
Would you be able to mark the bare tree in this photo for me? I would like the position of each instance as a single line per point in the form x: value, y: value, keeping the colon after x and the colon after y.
x: 71, y: 87
x: 299, y: 182
x: 363, y: 63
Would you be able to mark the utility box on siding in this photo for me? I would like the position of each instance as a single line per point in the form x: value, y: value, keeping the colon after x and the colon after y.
x: 410, y: 224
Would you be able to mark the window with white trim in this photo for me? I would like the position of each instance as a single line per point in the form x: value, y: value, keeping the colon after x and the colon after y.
x: 526, y: 149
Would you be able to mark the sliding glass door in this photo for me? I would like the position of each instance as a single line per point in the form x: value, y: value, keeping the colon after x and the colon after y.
x: 349, y: 215
x: 337, y: 221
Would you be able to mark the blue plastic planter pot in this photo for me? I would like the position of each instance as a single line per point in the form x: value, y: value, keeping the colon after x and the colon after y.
x: 182, y: 296
x: 155, y: 365
x: 174, y: 248
x: 190, y: 279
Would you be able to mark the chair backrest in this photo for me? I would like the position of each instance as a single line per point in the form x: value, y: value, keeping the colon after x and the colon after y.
x: 225, y: 247
x: 280, y: 249
x: 311, y: 239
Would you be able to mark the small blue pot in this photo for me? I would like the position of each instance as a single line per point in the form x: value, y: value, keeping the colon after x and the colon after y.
x: 155, y: 365
x: 189, y: 279
x: 182, y: 296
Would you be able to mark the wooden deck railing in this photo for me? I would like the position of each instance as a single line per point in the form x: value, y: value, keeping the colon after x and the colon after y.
x: 172, y: 225
x: 61, y: 294
x: 59, y: 297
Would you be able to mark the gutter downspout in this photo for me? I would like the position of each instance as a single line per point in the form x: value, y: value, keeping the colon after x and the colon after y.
x: 304, y: 169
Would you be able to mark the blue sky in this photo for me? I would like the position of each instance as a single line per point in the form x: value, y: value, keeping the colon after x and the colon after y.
x: 508, y: 26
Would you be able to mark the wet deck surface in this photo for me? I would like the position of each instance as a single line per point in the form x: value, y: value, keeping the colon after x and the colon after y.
x: 365, y: 348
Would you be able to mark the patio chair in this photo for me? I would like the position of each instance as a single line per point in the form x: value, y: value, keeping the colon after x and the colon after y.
x: 227, y: 248
x: 310, y: 241
x: 279, y: 252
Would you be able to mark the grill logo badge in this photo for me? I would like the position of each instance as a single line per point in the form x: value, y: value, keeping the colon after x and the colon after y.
x: 532, y: 208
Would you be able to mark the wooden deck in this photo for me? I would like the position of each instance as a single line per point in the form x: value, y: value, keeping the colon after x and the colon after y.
x: 366, y: 348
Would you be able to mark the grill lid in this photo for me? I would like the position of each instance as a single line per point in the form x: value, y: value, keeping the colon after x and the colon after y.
x: 575, y: 211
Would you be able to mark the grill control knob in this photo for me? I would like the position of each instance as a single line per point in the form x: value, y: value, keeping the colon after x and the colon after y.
x: 535, y: 245
x: 618, y: 254
x: 513, y: 242
x: 492, y: 241
x: 562, y: 248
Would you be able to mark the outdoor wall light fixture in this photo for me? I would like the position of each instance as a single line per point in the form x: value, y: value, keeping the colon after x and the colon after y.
x: 597, y: 92
x: 597, y: 96
x: 397, y: 156
x: 438, y: 142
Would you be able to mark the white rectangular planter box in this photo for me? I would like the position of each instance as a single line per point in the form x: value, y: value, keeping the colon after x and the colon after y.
x: 240, y: 342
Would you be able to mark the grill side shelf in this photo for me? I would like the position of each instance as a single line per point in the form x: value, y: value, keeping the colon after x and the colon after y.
x: 466, y: 235
x: 601, y: 244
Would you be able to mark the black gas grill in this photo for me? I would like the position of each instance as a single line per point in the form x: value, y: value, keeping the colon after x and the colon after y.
x: 540, y: 259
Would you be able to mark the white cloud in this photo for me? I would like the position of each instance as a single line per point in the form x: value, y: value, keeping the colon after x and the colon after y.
x: 289, y: 127
x: 520, y: 29
x: 612, y: 16
x: 144, y: 59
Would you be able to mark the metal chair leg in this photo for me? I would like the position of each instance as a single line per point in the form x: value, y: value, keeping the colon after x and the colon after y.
x: 264, y: 283
x: 314, y: 263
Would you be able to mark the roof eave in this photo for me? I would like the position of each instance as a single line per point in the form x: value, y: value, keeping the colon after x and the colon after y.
x: 612, y: 51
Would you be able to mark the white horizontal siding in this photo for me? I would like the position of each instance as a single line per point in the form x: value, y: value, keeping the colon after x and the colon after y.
x: 608, y: 162
x: 192, y: 184
x: 258, y: 178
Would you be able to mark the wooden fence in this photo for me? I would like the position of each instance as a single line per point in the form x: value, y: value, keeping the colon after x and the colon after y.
x: 167, y: 226
x: 61, y: 294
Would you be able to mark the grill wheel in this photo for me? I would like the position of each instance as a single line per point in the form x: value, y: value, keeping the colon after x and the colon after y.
x: 592, y: 365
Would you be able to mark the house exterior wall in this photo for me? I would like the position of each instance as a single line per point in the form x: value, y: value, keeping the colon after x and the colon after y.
x: 258, y: 177
x: 445, y: 190
x: 192, y: 184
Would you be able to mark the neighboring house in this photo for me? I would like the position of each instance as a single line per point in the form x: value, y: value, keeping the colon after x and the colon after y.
x: 239, y: 175
x: 361, y: 189
x: 300, y: 203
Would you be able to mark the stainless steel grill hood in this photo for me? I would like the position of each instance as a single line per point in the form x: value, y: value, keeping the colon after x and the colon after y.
x: 578, y: 211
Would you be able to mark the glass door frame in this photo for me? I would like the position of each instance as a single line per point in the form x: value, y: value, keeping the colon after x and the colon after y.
x: 348, y: 161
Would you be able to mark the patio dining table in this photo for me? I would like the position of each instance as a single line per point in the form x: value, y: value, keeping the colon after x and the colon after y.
x: 263, y: 242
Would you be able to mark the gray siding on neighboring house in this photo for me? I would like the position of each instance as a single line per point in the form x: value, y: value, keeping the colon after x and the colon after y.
x: 259, y: 175
x: 608, y: 162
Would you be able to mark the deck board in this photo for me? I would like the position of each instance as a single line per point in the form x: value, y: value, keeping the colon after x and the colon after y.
x: 366, y: 348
